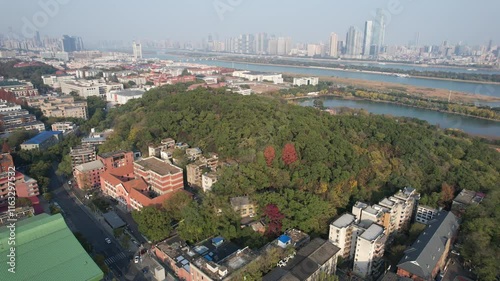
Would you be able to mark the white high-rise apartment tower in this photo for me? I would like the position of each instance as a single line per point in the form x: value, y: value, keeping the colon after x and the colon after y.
x: 367, y: 40
x: 137, y: 47
x: 334, y: 45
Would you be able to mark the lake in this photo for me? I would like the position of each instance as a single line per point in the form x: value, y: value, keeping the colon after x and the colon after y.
x: 444, y: 120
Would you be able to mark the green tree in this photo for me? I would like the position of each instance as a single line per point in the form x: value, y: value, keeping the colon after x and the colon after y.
x: 153, y: 222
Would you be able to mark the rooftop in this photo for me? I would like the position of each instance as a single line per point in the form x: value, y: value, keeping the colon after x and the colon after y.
x: 423, y: 255
x: 344, y: 221
x: 94, y: 165
x: 373, y: 232
x: 49, y: 250
x: 239, y: 201
x: 158, y: 166
x: 468, y: 197
x: 306, y: 262
x: 129, y: 92
x: 43, y: 136
x: 111, y: 154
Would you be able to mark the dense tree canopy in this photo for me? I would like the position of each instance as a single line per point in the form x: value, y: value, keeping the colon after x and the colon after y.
x: 336, y: 159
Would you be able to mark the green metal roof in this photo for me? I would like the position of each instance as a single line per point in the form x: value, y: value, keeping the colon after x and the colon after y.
x: 46, y: 250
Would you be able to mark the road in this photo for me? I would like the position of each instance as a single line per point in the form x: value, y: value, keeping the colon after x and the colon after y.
x: 79, y: 218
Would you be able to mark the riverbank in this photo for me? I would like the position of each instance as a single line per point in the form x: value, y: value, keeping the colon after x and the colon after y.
x: 387, y: 102
x: 440, y: 94
x: 357, y: 71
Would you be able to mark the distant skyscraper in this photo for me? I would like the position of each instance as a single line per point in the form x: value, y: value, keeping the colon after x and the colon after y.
x: 490, y: 45
x: 417, y: 39
x: 334, y: 45
x: 37, y: 38
x: 378, y: 32
x: 261, y: 43
x: 354, y: 43
x: 284, y: 46
x: 137, y: 48
x: 367, y: 38
x: 71, y: 43
x: 273, y: 46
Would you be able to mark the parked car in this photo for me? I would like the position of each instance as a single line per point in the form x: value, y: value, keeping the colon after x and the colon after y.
x: 136, y: 259
x: 108, y: 240
x: 455, y: 252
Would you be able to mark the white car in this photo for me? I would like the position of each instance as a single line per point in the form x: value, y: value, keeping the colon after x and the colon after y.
x: 136, y: 259
x: 108, y: 240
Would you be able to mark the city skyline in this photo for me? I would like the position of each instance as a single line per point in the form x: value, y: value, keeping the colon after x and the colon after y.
x: 222, y: 19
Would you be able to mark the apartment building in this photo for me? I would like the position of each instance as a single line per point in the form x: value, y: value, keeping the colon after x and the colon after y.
x: 162, y: 176
x: 65, y: 127
x: 208, y: 180
x: 402, y: 207
x: 64, y: 106
x: 118, y: 162
x: 87, y: 175
x: 19, y: 88
x: 81, y: 155
x: 13, y: 118
x: 195, y: 172
x: 24, y: 185
x: 425, y: 214
x: 369, y: 251
x: 343, y: 234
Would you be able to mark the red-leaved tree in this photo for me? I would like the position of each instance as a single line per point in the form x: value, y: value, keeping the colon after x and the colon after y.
x: 269, y: 154
x: 274, y: 218
x: 289, y: 154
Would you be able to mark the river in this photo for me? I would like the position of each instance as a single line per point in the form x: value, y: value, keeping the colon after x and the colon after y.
x: 454, y: 86
x: 469, y: 125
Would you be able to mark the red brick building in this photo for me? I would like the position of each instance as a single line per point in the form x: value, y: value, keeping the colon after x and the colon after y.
x: 145, y: 183
x: 115, y: 161
x: 25, y: 186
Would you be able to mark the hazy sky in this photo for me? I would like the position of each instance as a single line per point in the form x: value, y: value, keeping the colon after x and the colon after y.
x: 473, y: 22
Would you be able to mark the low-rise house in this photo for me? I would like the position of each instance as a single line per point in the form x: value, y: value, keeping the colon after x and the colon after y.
x: 464, y: 199
x: 243, y: 206
x: 312, y: 259
x: 43, y: 140
x: 210, y: 260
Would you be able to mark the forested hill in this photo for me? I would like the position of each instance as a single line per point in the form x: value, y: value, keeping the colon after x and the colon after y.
x: 304, y: 166
x: 365, y: 157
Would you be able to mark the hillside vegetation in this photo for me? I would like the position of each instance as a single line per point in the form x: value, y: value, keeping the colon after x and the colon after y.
x: 307, y: 163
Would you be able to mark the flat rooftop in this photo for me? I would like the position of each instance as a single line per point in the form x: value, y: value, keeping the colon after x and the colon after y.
x: 344, y: 221
x: 129, y: 93
x: 94, y: 165
x: 158, y: 166
x: 372, y: 232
